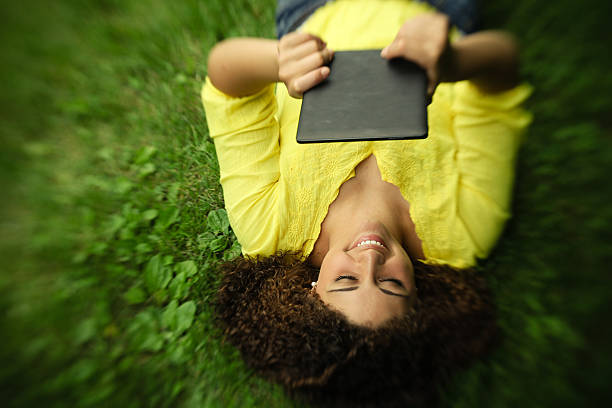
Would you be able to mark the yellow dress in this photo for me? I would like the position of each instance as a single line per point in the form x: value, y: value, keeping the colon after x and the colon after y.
x: 458, y: 181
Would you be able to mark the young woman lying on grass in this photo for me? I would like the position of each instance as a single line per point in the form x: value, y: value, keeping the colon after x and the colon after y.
x: 355, y: 284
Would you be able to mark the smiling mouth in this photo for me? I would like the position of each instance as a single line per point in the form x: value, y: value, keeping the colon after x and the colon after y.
x: 369, y: 241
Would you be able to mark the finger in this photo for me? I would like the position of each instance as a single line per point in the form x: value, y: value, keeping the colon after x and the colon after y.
x: 304, y: 49
x: 311, y: 62
x: 432, y: 83
x: 297, y: 37
x: 307, y: 81
x: 430, y: 89
x: 293, y: 38
x: 393, y: 50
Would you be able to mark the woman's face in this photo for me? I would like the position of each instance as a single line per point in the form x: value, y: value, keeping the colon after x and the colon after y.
x: 369, y: 278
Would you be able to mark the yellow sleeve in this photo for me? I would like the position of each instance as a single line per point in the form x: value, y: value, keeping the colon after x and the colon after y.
x: 488, y: 129
x: 246, y: 137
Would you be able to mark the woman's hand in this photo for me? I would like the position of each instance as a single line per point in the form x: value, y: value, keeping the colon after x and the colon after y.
x: 489, y: 59
x: 423, y: 40
x: 301, y: 62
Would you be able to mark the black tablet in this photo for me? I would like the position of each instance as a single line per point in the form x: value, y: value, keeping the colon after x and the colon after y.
x: 365, y: 97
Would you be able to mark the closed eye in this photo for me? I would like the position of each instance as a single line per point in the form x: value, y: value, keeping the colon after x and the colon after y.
x: 396, y: 281
x: 350, y: 277
x: 353, y: 278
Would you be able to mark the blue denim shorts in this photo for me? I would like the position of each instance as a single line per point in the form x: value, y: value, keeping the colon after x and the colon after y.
x: 291, y: 14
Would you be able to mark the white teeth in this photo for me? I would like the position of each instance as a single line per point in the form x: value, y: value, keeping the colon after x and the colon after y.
x: 370, y: 242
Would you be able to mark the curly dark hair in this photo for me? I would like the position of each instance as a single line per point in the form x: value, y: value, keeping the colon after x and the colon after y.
x: 286, y: 334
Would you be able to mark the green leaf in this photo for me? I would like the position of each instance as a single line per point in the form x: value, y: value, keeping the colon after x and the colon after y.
x: 180, y: 351
x: 167, y: 260
x: 160, y: 297
x: 233, y: 252
x: 219, y: 244
x: 167, y: 217
x: 135, y: 295
x: 156, y: 276
x: 179, y: 286
x: 127, y: 232
x: 184, y: 316
x: 173, y: 192
x: 205, y: 239
x: 144, y: 154
x: 168, y: 317
x: 152, y: 342
x: 113, y: 225
x: 85, y: 331
x: 80, y: 257
x: 153, y: 238
x: 217, y: 221
x: 98, y: 248
x: 81, y: 370
x: 123, y: 185
x: 143, y: 248
x: 149, y: 215
x: 144, y: 331
x: 146, y: 169
x: 189, y: 268
x: 106, y: 153
x: 180, y: 78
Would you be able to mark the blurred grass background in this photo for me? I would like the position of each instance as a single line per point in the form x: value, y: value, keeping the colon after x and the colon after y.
x: 112, y: 213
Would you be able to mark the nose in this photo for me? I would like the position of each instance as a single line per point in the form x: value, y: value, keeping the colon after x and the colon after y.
x: 370, y: 260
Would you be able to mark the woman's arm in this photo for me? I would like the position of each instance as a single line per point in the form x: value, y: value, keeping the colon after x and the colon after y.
x: 489, y: 58
x: 243, y: 66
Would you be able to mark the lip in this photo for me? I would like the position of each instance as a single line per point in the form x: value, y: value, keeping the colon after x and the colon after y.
x: 372, y: 237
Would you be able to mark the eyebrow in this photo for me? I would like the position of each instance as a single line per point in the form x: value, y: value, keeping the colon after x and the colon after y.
x: 385, y: 291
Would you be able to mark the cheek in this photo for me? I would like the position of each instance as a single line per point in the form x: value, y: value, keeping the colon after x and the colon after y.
x: 325, y: 275
x: 332, y: 265
x: 404, y: 269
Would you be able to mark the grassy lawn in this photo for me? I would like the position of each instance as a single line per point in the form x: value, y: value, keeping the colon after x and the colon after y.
x: 113, y: 214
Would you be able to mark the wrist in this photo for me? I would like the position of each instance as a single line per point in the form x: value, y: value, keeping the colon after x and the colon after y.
x: 489, y: 59
x: 449, y: 67
x: 271, y: 64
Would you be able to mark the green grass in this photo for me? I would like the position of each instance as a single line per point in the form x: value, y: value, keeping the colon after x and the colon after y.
x: 113, y: 214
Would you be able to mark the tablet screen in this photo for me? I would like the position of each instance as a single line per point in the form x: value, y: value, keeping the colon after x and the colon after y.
x: 365, y: 97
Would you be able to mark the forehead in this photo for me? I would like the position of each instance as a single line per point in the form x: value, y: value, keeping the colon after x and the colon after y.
x: 367, y: 307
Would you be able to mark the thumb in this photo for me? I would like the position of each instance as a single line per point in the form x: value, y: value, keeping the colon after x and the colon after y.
x: 395, y: 49
x: 432, y: 80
